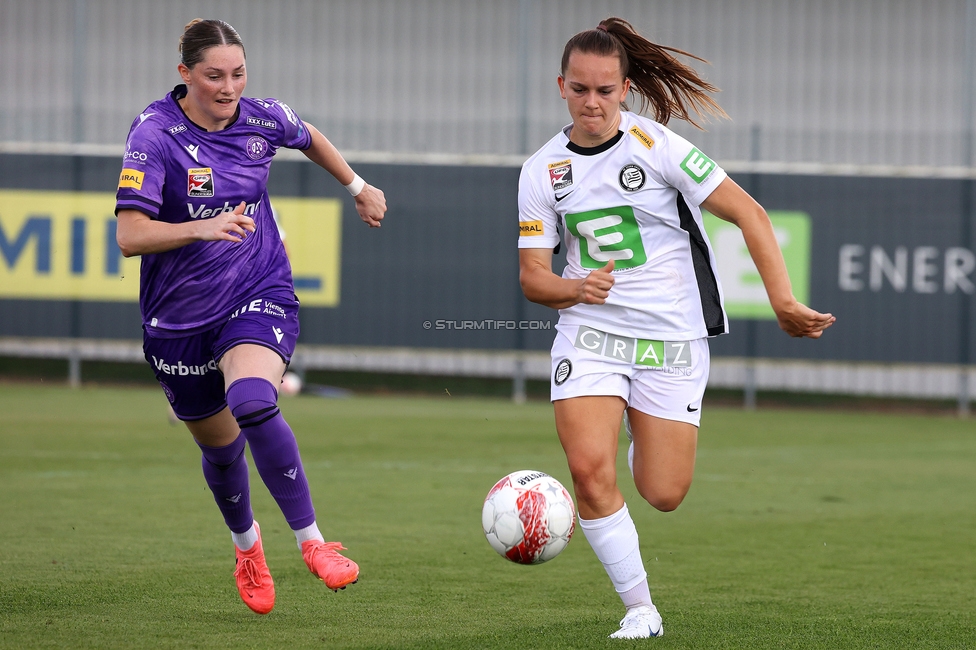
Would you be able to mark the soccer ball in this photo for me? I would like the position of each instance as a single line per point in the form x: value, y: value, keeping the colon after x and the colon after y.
x: 291, y: 384
x: 528, y: 517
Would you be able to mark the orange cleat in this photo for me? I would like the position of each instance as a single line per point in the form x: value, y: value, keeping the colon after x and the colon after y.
x: 254, y: 581
x: 323, y: 559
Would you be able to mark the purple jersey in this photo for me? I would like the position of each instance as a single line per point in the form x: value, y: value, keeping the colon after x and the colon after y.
x: 174, y: 171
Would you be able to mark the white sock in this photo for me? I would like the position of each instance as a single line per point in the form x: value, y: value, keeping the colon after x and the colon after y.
x: 637, y: 597
x: 614, y: 540
x: 245, y: 540
x: 307, y: 533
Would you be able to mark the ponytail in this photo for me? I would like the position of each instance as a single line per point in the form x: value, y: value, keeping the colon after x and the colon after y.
x: 670, y: 87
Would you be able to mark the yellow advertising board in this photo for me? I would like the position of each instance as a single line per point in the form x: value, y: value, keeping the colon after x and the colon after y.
x: 313, y: 239
x: 61, y: 246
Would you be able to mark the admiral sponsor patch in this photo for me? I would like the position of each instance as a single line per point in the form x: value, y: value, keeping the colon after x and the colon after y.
x: 200, y: 182
x: 632, y: 177
x: 561, y: 174
x: 530, y: 228
x: 264, y: 124
x: 642, y: 137
x: 131, y: 178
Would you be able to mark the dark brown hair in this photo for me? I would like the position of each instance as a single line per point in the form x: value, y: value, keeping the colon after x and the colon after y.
x: 669, y: 86
x: 199, y: 35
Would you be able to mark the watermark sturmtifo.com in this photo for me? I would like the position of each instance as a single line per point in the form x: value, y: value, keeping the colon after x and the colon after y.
x: 488, y: 324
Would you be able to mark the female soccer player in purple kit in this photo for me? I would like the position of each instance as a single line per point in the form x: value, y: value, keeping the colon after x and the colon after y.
x: 220, y: 316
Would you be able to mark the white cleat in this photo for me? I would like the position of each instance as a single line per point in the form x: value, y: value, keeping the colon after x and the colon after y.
x: 640, y: 623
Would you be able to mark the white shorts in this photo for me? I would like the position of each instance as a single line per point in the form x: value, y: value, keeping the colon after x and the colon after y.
x: 665, y: 379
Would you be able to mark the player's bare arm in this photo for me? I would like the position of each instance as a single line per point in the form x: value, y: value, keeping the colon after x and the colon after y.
x: 370, y: 201
x: 731, y: 203
x: 138, y: 234
x: 542, y: 286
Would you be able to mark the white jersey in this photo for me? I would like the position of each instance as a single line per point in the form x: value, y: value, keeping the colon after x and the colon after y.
x: 633, y: 199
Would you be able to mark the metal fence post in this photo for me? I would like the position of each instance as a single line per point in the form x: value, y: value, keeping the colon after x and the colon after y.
x: 749, y: 389
x: 74, y: 368
x: 966, y: 229
x: 522, y: 108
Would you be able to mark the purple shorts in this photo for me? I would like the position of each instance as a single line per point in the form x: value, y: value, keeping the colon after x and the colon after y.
x: 186, y: 364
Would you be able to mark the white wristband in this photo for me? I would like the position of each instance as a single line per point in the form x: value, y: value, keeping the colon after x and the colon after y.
x: 356, y: 186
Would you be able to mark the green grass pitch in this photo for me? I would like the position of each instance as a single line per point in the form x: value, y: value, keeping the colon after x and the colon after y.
x: 803, y: 529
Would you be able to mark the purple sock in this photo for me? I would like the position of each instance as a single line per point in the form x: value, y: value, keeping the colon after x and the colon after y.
x: 253, y: 401
x: 225, y: 469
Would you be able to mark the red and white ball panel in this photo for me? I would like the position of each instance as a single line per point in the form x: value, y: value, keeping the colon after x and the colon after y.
x: 528, y: 517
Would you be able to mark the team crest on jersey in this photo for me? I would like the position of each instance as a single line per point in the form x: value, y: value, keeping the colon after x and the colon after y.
x: 256, y: 147
x: 561, y: 174
x: 167, y: 390
x: 200, y: 182
x: 632, y: 177
x: 563, y: 370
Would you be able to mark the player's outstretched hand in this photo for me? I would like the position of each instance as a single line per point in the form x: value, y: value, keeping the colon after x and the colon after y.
x: 371, y: 205
x: 231, y: 226
x: 798, y: 320
x: 595, y: 287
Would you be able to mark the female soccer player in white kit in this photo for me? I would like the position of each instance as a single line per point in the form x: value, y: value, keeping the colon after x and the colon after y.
x: 640, y: 292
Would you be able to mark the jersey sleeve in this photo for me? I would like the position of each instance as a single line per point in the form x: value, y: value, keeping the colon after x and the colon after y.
x: 143, y: 172
x: 294, y: 134
x: 537, y: 220
x: 688, y: 170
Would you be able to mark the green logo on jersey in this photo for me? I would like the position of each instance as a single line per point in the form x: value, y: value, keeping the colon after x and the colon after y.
x: 608, y: 234
x: 697, y: 165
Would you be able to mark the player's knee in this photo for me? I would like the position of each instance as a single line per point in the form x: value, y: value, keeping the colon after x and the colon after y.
x: 592, y: 481
x: 252, y: 401
x: 666, y: 504
x: 665, y: 499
